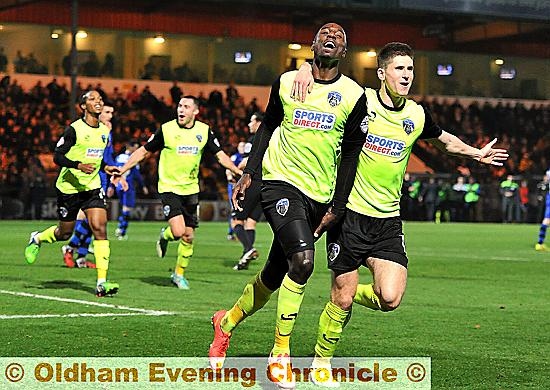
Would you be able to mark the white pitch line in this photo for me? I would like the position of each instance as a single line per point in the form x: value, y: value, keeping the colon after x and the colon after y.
x: 75, y: 315
x: 81, y: 302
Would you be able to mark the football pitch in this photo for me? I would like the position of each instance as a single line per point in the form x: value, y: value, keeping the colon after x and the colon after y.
x: 477, y: 303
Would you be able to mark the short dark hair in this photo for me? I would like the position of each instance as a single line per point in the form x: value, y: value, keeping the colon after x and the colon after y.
x: 259, y: 116
x: 391, y: 50
x: 196, y: 101
x: 83, y: 98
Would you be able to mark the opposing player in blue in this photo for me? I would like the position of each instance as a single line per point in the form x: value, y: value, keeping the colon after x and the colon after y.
x: 82, y: 234
x: 127, y: 196
x: 539, y: 246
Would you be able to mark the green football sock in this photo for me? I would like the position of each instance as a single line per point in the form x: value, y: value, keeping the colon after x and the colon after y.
x: 291, y: 295
x: 365, y: 296
x: 167, y: 234
x: 331, y: 324
x: 102, y: 253
x: 255, y: 295
x: 48, y: 235
x: 185, y: 251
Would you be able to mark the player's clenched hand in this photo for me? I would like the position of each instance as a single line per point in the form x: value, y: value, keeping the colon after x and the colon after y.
x: 86, y: 168
x: 303, y: 83
x: 328, y: 220
x: 239, y: 191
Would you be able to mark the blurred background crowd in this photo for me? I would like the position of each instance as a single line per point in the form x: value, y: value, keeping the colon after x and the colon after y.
x: 31, y: 122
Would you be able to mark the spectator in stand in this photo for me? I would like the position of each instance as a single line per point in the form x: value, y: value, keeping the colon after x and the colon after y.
x: 108, y: 68
x: 456, y: 199
x: 509, y: 190
x: 443, y: 211
x: 429, y: 198
x: 231, y: 94
x: 175, y: 93
x: 3, y: 60
x: 524, y: 200
x: 471, y: 199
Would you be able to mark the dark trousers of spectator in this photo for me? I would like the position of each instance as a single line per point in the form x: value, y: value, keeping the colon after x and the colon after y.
x: 510, y: 210
x: 429, y: 207
x: 457, y: 211
x: 472, y: 211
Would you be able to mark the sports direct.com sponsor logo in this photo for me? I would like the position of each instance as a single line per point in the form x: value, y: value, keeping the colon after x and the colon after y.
x: 94, y: 152
x: 313, y: 119
x: 185, y: 149
x: 246, y: 372
x: 384, y: 146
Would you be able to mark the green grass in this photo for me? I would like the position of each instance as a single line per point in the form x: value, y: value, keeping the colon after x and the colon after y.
x: 477, y: 303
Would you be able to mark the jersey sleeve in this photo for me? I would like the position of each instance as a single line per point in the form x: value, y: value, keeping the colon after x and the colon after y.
x: 213, y: 144
x: 156, y: 142
x: 355, y: 132
x: 430, y: 130
x: 65, y: 143
x: 273, y: 117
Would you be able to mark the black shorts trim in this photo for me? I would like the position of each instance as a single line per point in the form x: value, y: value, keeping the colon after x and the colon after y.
x: 359, y: 237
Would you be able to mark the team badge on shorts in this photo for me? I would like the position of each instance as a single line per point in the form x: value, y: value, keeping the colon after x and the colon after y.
x: 333, y: 251
x: 408, y: 126
x: 334, y: 98
x: 282, y: 206
x: 63, y: 212
x: 166, y: 210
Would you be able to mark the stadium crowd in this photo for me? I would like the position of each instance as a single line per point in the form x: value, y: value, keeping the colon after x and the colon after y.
x: 31, y: 122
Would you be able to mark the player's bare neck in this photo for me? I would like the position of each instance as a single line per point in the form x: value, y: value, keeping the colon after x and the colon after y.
x: 91, y: 120
x: 325, y: 70
x: 389, y: 99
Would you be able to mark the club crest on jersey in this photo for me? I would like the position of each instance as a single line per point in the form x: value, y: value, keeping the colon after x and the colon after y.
x: 333, y: 251
x: 334, y: 98
x: 166, y: 210
x: 199, y: 137
x: 104, y: 138
x: 408, y: 126
x: 282, y: 206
